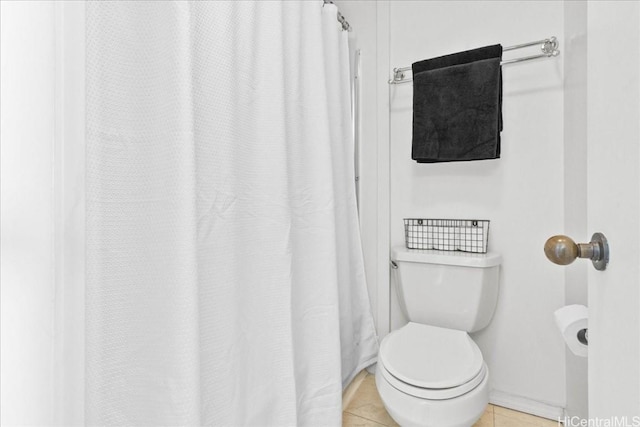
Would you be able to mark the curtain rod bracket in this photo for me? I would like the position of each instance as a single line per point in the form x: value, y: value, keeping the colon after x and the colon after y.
x: 341, y: 19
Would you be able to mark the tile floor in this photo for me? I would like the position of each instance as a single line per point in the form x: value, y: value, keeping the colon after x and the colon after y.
x: 366, y: 410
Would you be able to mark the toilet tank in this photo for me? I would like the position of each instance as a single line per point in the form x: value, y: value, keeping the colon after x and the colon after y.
x: 455, y: 290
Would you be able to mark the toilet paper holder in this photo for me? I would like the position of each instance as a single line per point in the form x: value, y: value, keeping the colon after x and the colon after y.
x: 573, y: 323
x: 583, y: 336
x: 562, y: 250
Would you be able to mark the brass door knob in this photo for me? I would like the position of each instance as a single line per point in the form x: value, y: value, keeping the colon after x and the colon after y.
x: 562, y: 250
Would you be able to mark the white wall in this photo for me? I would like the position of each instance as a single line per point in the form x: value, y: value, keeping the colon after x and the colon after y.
x: 362, y: 17
x: 522, y: 193
x: 70, y: 212
x: 27, y: 257
x: 574, y: 56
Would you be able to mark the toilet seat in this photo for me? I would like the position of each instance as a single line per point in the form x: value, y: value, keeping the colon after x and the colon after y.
x: 432, y: 394
x: 431, y: 362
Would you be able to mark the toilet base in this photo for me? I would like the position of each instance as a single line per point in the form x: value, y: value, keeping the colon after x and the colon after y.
x: 411, y: 411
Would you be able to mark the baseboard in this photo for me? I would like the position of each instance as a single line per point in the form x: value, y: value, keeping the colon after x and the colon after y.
x: 350, y: 390
x: 523, y: 404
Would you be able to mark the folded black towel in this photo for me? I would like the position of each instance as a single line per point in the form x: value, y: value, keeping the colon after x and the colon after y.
x: 457, y: 106
x: 487, y: 52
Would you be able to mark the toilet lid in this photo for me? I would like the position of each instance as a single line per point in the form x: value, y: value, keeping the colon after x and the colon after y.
x: 433, y: 393
x: 431, y: 357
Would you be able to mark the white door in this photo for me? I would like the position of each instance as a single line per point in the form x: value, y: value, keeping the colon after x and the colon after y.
x: 613, y: 98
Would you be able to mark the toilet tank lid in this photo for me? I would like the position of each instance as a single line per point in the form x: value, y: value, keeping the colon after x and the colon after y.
x: 465, y: 259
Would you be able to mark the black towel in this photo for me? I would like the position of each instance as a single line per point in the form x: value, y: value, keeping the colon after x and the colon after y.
x: 487, y: 52
x: 457, y: 103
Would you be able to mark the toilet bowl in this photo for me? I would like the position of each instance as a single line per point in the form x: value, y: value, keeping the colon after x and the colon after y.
x: 430, y: 372
x: 430, y: 376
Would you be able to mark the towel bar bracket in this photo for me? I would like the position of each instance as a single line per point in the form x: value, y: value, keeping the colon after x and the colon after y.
x: 398, y: 75
x: 550, y: 47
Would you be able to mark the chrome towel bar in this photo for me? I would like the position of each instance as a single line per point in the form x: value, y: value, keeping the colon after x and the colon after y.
x: 549, y: 48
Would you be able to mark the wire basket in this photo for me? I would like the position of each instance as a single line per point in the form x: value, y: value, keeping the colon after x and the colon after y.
x: 466, y: 235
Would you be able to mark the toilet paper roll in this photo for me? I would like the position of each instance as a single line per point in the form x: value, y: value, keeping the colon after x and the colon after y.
x: 572, y: 321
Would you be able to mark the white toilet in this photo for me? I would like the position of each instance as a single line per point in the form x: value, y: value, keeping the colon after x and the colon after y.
x: 430, y: 372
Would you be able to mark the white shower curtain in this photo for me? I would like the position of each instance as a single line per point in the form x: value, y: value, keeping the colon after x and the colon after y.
x: 225, y: 280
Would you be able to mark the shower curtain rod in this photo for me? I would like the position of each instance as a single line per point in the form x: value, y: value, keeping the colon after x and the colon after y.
x: 341, y: 19
x: 549, y: 48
